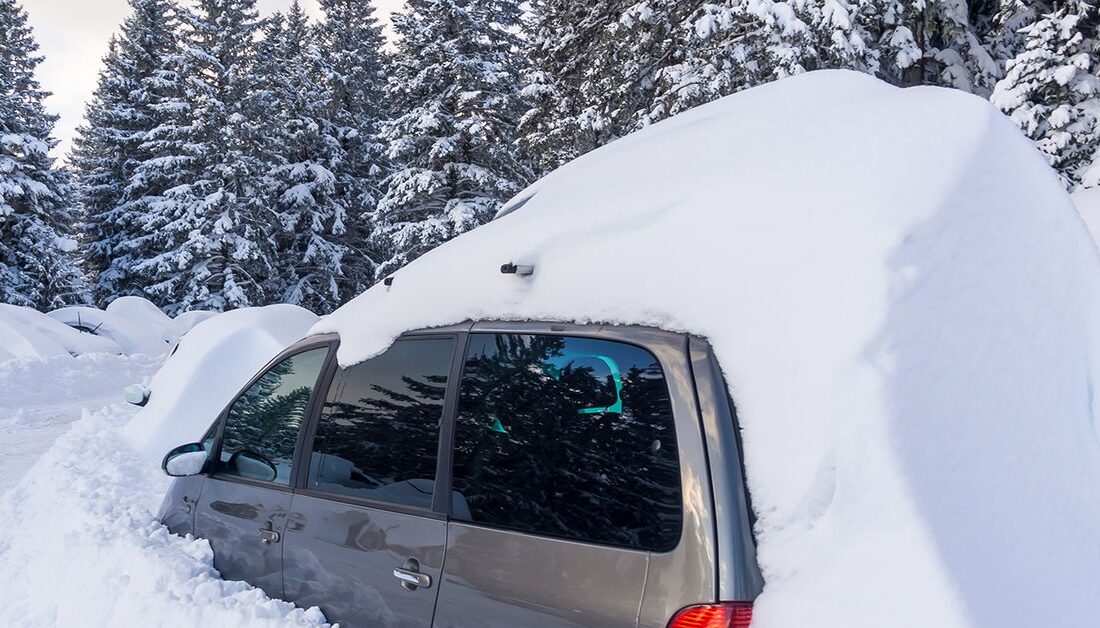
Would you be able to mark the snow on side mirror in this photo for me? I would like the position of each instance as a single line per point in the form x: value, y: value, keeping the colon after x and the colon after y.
x: 185, y: 460
x: 137, y: 394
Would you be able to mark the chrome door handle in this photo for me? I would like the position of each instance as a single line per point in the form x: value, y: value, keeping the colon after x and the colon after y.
x: 412, y: 580
x: 268, y: 536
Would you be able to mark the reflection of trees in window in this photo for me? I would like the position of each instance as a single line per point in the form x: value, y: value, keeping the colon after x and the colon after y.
x: 527, y: 457
x: 386, y: 421
x: 266, y: 420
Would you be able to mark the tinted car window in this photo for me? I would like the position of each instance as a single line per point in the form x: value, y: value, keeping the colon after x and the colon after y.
x: 379, y: 433
x: 263, y: 423
x: 567, y: 437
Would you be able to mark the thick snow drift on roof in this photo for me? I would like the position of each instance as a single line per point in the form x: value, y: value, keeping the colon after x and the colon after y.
x: 132, y: 337
x: 905, y: 304
x: 211, y: 364
x: 27, y: 334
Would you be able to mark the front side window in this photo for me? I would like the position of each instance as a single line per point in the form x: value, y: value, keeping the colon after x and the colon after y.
x: 567, y: 437
x: 379, y: 433
x: 263, y: 423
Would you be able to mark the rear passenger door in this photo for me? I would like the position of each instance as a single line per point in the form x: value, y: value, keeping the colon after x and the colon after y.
x: 366, y: 536
x: 565, y: 478
x: 245, y: 501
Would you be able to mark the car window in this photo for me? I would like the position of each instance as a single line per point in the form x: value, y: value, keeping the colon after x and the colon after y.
x: 567, y: 437
x: 379, y: 433
x: 263, y: 423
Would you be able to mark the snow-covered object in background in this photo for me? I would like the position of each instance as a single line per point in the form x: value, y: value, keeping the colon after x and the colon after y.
x: 143, y: 312
x: 132, y: 336
x: 211, y: 364
x: 84, y: 548
x: 30, y: 335
x: 906, y: 307
x: 186, y: 321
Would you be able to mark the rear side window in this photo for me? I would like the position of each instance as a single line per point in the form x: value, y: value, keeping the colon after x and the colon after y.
x: 379, y: 433
x: 263, y: 423
x: 567, y: 437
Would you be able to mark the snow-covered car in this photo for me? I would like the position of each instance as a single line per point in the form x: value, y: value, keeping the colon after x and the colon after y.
x: 792, y: 357
x: 134, y: 338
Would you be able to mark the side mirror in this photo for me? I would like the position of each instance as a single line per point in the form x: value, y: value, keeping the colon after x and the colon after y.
x: 185, y: 460
x: 137, y: 394
x: 251, y: 465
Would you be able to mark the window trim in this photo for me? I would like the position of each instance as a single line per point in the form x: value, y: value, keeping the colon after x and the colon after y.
x: 319, y: 342
x: 450, y: 403
x: 619, y: 334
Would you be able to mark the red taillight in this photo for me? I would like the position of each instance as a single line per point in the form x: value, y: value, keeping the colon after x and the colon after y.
x: 721, y: 615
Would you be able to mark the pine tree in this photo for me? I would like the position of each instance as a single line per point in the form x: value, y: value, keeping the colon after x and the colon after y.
x: 737, y: 44
x: 351, y: 66
x: 110, y: 145
x: 302, y: 149
x: 454, y: 85
x: 205, y: 241
x: 1052, y: 92
x: 37, y: 267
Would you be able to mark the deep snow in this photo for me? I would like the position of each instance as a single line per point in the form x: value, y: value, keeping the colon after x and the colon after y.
x: 906, y: 306
x: 82, y: 547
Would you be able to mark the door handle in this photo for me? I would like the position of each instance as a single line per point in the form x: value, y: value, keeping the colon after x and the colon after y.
x: 411, y: 579
x: 269, y: 536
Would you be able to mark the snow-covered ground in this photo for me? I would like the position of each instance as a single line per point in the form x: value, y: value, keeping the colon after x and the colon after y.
x: 40, y: 398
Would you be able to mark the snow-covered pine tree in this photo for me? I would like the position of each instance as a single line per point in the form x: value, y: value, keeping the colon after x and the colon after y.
x: 935, y: 42
x: 736, y: 44
x: 206, y: 241
x: 595, y: 71
x: 37, y: 267
x: 350, y: 64
x: 454, y: 85
x: 1052, y: 92
x: 301, y: 151
x: 110, y: 145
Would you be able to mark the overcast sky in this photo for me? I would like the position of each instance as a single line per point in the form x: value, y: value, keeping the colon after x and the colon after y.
x: 73, y: 35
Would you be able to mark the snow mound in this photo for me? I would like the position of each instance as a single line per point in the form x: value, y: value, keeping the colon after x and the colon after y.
x: 186, y: 321
x: 905, y: 304
x: 132, y: 337
x: 146, y: 314
x: 83, y: 547
x: 210, y: 365
x: 27, y: 334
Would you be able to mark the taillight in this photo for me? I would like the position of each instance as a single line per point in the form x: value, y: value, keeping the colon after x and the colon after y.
x: 721, y: 615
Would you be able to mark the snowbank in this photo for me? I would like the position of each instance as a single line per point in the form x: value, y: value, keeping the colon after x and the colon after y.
x: 132, y: 337
x: 905, y: 304
x: 27, y: 334
x: 82, y: 546
x: 211, y: 364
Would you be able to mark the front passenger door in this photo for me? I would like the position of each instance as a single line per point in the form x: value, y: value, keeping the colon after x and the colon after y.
x: 245, y: 502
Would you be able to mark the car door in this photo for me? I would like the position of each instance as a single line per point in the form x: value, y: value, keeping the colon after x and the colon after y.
x: 245, y: 501
x: 565, y: 483
x: 367, y: 533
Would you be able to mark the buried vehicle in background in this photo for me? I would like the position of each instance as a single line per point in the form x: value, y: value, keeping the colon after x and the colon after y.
x: 517, y: 473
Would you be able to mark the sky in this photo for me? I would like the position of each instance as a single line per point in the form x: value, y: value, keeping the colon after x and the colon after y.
x: 73, y: 35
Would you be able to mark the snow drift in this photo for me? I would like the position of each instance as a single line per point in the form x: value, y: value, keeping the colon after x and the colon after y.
x: 27, y: 334
x: 210, y: 365
x: 905, y: 304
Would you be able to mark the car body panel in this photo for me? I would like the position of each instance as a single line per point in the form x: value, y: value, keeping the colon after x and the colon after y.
x: 341, y: 556
x: 231, y: 515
